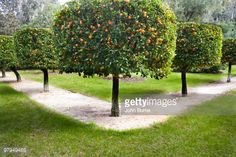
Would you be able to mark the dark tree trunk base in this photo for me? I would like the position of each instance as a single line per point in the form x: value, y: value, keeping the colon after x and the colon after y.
x: 229, y: 73
x: 115, y: 112
x: 184, y: 84
x: 18, y: 77
x: 45, y: 82
x: 184, y: 95
x: 3, y: 73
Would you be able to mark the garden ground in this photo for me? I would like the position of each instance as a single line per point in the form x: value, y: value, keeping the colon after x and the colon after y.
x: 88, y: 109
x: 24, y: 123
x: 101, y: 88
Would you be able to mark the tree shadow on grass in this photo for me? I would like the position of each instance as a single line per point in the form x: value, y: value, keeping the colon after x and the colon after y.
x: 30, y: 90
x: 6, y: 91
x: 20, y: 114
x: 8, y: 81
x: 22, y: 121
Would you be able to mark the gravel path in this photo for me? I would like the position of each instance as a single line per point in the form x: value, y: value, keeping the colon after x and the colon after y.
x: 92, y: 110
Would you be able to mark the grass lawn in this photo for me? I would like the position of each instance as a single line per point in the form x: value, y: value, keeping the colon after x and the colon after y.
x: 101, y: 88
x: 24, y: 123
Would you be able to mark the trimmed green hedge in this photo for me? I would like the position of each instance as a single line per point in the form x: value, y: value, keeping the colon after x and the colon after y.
x: 35, y: 48
x: 8, y: 57
x: 229, y: 51
x: 198, y: 46
x: 116, y: 37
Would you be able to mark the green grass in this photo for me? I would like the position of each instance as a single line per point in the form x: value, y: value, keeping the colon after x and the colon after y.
x: 24, y: 123
x: 101, y: 88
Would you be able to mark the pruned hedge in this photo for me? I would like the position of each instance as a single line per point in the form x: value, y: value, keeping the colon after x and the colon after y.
x: 35, y: 48
x: 198, y: 46
x: 8, y: 58
x: 229, y: 51
x: 116, y: 37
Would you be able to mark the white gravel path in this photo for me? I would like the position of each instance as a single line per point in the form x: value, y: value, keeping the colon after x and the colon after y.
x: 92, y: 110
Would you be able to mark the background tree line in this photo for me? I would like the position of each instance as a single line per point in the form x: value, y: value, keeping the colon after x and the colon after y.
x: 17, y: 13
x: 38, y: 13
x: 222, y: 12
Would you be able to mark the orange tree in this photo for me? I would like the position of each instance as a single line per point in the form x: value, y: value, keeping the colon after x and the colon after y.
x: 8, y: 59
x: 198, y: 46
x: 229, y: 54
x: 116, y: 37
x: 35, y: 50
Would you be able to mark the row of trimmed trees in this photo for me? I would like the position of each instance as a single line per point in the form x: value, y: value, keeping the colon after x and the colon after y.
x: 118, y: 38
x: 30, y: 48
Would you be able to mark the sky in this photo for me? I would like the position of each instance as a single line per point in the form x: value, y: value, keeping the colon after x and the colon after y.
x: 63, y: 1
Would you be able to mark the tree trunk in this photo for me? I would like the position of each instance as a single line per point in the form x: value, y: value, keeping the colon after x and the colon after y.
x: 184, y: 84
x: 45, y: 82
x: 3, y: 73
x: 115, y: 97
x: 18, y: 77
x: 229, y: 72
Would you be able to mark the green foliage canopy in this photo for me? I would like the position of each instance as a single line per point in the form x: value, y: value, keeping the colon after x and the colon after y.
x: 229, y: 51
x: 116, y: 37
x: 198, y: 46
x: 8, y: 57
x: 35, y: 48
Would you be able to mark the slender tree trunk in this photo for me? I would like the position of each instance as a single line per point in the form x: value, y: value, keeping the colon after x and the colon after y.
x: 45, y: 82
x: 229, y: 72
x: 3, y: 73
x: 18, y: 77
x: 115, y: 97
x: 184, y: 84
